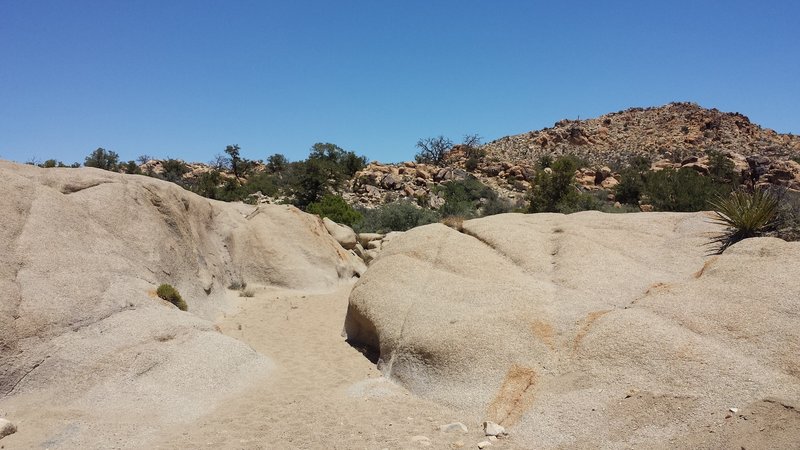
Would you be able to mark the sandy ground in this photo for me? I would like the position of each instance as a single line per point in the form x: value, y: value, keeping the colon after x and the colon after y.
x: 323, y: 393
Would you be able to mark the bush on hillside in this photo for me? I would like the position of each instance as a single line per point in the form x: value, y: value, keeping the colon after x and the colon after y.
x: 335, y: 208
x: 174, y: 170
x: 463, y: 197
x: 397, y: 216
x: 555, y: 190
x: 721, y: 169
x: 681, y: 190
x: 170, y: 294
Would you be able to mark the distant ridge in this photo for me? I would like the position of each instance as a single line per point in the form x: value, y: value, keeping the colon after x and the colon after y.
x: 672, y: 131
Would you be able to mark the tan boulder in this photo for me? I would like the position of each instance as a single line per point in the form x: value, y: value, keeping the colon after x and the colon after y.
x: 82, y: 252
x: 513, y: 321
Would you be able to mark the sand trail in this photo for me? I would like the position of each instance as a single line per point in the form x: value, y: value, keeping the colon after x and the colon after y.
x: 323, y: 393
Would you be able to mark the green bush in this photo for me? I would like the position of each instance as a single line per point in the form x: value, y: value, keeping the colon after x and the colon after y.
x: 629, y: 190
x: 554, y: 190
x: 681, y: 190
x: 102, y: 159
x: 174, y: 170
x: 463, y: 197
x: 170, y: 294
x: 744, y: 215
x: 471, y: 164
x: 131, y: 167
x: 325, y: 170
x: 397, y: 216
x: 335, y: 208
x: 721, y: 169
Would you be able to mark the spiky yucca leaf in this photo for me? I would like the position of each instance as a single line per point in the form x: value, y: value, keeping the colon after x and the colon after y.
x: 744, y: 215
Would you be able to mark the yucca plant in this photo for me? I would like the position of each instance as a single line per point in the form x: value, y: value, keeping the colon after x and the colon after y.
x: 744, y: 215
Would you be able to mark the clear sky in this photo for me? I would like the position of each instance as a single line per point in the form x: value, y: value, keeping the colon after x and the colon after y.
x: 186, y: 78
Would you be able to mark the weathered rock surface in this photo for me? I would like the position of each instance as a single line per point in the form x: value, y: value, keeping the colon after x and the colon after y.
x: 343, y: 234
x: 6, y: 428
x: 81, y: 330
x: 590, y: 329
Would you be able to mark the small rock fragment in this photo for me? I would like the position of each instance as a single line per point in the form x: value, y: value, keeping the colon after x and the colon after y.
x: 457, y: 444
x: 422, y: 441
x: 451, y: 427
x: 493, y: 429
x: 484, y: 444
x: 6, y: 428
x: 734, y: 410
x: 492, y: 438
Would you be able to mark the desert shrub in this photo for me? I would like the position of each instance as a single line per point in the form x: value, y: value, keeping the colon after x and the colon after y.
x: 496, y: 205
x: 555, y: 190
x: 231, y: 190
x: 463, y: 197
x: 246, y: 293
x: 639, y: 163
x: 630, y: 187
x: 261, y: 182
x: 681, y: 190
x: 174, y: 170
x: 206, y: 184
x: 324, y: 171
x: 277, y: 163
x: 335, y: 208
x: 102, y: 159
x: 471, y: 164
x: 545, y: 161
x: 721, y: 169
x: 396, y: 216
x: 131, y: 167
x: 170, y: 294
x: 744, y: 215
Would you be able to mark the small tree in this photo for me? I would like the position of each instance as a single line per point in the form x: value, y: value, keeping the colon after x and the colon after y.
x: 433, y: 150
x: 276, y: 163
x: 554, y: 189
x: 102, y: 159
x: 174, y: 169
x: 235, y: 159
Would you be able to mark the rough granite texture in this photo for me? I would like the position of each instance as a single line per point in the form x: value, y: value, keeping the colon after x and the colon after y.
x: 591, y: 329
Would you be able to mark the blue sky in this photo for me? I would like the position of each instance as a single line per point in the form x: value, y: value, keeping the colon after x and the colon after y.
x: 186, y: 78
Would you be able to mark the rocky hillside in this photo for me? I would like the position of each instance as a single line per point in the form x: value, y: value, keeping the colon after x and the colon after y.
x: 674, y: 131
x: 671, y: 136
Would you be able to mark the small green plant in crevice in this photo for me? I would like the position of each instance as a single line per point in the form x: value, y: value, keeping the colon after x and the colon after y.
x: 744, y: 215
x: 170, y: 294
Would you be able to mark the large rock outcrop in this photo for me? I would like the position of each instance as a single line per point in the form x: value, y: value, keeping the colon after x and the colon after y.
x: 83, y: 337
x: 591, y: 329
